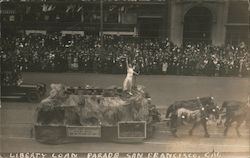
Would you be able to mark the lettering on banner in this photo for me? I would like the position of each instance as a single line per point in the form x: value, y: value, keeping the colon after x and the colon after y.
x: 79, y: 131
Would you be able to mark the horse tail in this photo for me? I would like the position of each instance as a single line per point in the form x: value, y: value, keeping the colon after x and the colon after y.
x: 169, y: 111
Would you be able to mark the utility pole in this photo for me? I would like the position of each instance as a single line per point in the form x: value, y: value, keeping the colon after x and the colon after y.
x: 101, y: 22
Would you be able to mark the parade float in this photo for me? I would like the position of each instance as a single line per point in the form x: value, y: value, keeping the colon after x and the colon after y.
x: 79, y: 114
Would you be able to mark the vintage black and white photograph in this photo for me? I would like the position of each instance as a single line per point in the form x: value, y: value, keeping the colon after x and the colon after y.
x: 125, y: 79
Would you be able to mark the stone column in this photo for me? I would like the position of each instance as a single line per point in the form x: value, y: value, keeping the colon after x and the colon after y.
x: 176, y: 25
x: 218, y: 32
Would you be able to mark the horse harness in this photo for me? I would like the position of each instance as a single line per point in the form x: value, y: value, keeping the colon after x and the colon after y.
x: 204, y: 113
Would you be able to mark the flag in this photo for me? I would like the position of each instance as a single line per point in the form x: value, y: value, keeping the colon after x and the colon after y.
x: 51, y: 8
x: 79, y: 8
x: 44, y: 7
x: 122, y: 8
x: 70, y: 8
x: 28, y: 8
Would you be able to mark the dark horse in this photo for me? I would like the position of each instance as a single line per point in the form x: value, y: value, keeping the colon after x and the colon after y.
x: 198, y: 109
x: 235, y: 111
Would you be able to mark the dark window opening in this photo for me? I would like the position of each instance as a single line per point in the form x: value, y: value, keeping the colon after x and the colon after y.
x: 197, y: 25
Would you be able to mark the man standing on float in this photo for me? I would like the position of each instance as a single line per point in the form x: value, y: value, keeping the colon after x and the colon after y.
x: 128, y: 82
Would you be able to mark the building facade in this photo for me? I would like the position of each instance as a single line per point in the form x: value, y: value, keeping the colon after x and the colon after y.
x: 212, y: 21
x: 215, y: 21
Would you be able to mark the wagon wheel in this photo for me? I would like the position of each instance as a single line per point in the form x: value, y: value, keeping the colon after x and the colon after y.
x: 33, y: 97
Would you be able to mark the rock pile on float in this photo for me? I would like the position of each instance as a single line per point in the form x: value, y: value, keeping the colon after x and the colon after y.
x: 102, y: 108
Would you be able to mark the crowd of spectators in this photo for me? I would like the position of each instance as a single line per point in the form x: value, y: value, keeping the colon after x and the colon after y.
x: 57, y: 53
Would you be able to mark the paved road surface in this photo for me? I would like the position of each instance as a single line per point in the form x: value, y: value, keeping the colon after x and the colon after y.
x: 17, y: 117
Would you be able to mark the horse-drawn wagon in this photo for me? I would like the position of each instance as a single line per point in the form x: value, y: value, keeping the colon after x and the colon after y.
x: 73, y: 114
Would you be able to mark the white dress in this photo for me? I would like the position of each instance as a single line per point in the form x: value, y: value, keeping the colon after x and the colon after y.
x: 127, y: 84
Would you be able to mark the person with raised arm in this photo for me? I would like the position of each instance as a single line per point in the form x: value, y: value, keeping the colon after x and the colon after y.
x: 128, y: 82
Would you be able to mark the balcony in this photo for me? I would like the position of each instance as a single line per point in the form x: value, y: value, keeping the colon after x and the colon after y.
x: 74, y: 26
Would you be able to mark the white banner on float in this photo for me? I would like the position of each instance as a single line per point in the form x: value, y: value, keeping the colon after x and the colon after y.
x: 72, y: 33
x: 27, y: 32
x: 83, y: 131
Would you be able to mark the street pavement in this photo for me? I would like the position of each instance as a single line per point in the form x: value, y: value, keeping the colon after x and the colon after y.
x: 17, y: 117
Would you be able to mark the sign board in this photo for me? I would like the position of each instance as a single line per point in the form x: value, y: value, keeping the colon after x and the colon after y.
x: 84, y: 131
x: 27, y: 32
x: 120, y: 33
x: 132, y: 129
x: 64, y: 32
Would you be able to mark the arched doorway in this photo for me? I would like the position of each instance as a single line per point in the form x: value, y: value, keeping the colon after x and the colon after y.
x: 197, y: 25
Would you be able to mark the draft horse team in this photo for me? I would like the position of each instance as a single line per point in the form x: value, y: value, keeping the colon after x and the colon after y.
x: 199, y: 110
